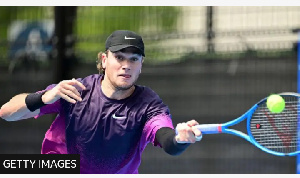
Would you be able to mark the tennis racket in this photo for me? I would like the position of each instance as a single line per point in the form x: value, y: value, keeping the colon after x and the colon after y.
x: 276, y: 134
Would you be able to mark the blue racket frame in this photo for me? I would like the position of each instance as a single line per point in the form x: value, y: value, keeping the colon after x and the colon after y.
x: 224, y: 128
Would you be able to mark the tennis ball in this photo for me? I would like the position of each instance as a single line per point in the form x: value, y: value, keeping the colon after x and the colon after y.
x: 275, y: 103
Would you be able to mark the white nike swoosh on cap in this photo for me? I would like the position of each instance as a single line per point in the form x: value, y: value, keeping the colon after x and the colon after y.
x: 118, y: 117
x: 129, y: 38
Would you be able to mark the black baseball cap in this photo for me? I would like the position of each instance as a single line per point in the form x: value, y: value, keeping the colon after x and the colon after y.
x: 121, y: 39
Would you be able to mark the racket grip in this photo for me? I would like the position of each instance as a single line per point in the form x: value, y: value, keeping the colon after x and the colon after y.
x: 210, y: 128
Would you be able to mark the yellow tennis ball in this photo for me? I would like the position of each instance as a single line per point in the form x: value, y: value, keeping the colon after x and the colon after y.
x: 275, y: 103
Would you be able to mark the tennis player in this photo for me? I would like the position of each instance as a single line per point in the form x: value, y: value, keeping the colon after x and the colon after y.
x: 106, y: 118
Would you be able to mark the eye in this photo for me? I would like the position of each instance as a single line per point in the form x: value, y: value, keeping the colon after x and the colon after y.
x: 119, y: 57
x: 134, y: 59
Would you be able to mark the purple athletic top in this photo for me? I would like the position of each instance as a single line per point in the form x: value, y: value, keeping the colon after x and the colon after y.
x: 110, y: 135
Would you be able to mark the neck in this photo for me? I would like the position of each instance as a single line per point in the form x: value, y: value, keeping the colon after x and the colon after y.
x: 113, y: 93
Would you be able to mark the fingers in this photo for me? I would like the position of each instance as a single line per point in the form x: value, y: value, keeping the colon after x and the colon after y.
x: 72, y: 89
x: 192, y: 123
x: 185, y: 133
x: 197, y: 133
x: 188, y: 132
x: 75, y: 82
x: 67, y: 98
x: 69, y: 92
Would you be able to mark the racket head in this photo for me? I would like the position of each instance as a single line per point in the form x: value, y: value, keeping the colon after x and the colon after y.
x: 276, y: 133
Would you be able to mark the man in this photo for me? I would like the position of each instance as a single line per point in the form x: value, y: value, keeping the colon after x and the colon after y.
x: 105, y: 117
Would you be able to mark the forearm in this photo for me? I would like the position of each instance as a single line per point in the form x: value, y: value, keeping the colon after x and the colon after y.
x: 166, y: 137
x: 15, y: 109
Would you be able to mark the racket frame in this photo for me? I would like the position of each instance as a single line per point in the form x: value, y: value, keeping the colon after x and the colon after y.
x: 224, y: 128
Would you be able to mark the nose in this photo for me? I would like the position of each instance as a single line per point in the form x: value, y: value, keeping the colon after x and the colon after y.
x: 126, y: 65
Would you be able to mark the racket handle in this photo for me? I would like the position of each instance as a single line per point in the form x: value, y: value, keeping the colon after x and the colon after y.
x: 210, y: 128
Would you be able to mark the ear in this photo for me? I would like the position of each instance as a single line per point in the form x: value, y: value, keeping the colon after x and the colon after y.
x: 103, y: 59
x: 142, y: 65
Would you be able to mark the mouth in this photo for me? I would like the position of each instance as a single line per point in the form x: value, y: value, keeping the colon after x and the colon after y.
x: 127, y: 76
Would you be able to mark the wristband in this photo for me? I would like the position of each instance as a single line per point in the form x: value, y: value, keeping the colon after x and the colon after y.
x: 166, y: 137
x: 34, y: 101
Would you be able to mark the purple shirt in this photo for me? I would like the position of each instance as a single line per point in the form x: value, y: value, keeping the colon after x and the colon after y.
x: 110, y: 135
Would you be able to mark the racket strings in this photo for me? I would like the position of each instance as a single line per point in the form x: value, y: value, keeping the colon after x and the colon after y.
x: 277, y: 132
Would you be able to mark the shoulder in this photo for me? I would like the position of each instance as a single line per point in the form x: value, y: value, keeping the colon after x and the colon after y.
x: 90, y: 80
x: 92, y: 77
x: 148, y: 93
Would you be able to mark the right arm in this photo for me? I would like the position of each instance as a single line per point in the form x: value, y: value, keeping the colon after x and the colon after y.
x: 175, y: 144
x: 16, y: 109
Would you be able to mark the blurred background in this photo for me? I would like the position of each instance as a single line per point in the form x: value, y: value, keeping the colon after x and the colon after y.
x: 209, y: 63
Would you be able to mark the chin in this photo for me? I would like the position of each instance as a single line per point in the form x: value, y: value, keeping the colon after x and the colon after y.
x: 124, y: 86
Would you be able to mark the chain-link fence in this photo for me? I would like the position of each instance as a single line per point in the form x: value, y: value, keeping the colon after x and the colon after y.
x: 170, y: 33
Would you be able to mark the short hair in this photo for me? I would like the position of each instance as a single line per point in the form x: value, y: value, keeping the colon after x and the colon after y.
x: 99, y: 62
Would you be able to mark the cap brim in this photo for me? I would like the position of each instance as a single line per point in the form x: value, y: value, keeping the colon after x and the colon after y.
x: 120, y: 47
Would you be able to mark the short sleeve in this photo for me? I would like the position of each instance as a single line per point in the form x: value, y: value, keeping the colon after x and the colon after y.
x: 157, y: 115
x: 154, y: 124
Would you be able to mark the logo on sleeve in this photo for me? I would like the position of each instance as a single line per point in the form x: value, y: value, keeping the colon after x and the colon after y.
x: 118, y: 117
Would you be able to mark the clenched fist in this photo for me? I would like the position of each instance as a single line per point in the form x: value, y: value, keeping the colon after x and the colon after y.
x: 187, y: 132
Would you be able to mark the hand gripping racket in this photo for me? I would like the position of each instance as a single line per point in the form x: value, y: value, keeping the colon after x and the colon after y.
x: 276, y: 134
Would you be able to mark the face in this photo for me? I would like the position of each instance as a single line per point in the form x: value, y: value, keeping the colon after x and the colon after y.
x: 122, y: 68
